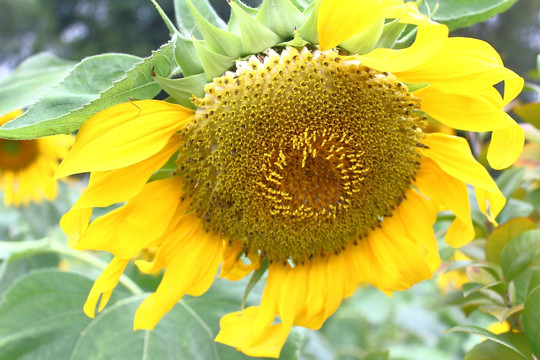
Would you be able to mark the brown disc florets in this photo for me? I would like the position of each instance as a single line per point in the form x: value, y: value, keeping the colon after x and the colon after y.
x: 299, y: 154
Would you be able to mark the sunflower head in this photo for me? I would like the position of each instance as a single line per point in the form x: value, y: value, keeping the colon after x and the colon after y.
x: 301, y: 139
x: 27, y: 166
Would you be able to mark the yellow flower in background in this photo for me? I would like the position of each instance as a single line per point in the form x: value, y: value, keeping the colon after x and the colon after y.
x: 27, y: 166
x: 454, y: 279
x: 311, y: 158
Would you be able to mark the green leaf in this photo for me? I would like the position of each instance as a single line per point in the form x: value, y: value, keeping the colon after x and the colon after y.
x: 514, y: 208
x: 472, y: 329
x: 29, y: 79
x: 518, y: 253
x: 93, y: 85
x: 41, y: 318
x: 214, y: 64
x: 503, y: 234
x: 529, y: 112
x: 489, y: 350
x: 531, y: 320
x: 462, y: 13
x: 509, y: 181
x: 378, y: 355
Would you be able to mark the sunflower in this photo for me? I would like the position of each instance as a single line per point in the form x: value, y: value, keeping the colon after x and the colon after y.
x: 27, y: 166
x: 308, y: 155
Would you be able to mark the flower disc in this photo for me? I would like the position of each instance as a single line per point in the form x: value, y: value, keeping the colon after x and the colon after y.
x: 299, y: 154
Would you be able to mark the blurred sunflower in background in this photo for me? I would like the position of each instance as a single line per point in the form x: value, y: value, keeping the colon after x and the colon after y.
x: 27, y: 166
x: 300, y: 146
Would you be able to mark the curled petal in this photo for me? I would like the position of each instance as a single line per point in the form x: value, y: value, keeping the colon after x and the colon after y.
x: 453, y: 155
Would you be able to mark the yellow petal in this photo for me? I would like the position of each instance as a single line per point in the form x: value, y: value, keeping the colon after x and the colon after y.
x: 304, y: 295
x: 236, y: 329
x: 480, y: 111
x: 430, y: 38
x: 104, y: 285
x: 469, y: 65
x: 114, y: 186
x: 453, y: 155
x: 506, y: 146
x: 400, y: 254
x: 339, y: 20
x: 130, y: 228
x: 233, y: 267
x: 190, y: 270
x: 430, y: 179
x: 123, y: 135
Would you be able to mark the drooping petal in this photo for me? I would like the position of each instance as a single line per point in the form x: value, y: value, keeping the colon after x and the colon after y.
x: 429, y: 39
x: 480, y: 111
x: 130, y: 228
x: 304, y: 295
x: 104, y: 285
x: 114, y: 186
x: 123, y: 135
x: 430, y: 179
x: 453, y: 155
x: 340, y: 20
x: 190, y: 270
x: 506, y: 146
x: 400, y: 253
x: 469, y: 65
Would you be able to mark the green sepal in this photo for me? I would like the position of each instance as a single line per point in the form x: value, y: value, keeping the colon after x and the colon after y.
x: 302, y: 4
x: 365, y: 41
x: 217, y: 40
x: 186, y: 24
x: 297, y: 41
x: 255, y: 36
x: 280, y: 16
x: 172, y: 29
x: 391, y: 32
x: 233, y: 25
x: 181, y: 90
x: 214, y: 64
x: 187, y: 57
x: 309, y: 30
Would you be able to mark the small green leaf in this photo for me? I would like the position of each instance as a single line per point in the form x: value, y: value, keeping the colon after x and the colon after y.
x: 82, y: 93
x: 518, y: 253
x: 462, y: 13
x: 255, y: 36
x: 472, y: 329
x: 233, y: 24
x: 29, y: 79
x: 503, y: 234
x: 529, y: 112
x: 531, y: 320
x: 500, y: 312
x: 489, y: 350
x: 181, y: 90
x: 280, y: 16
